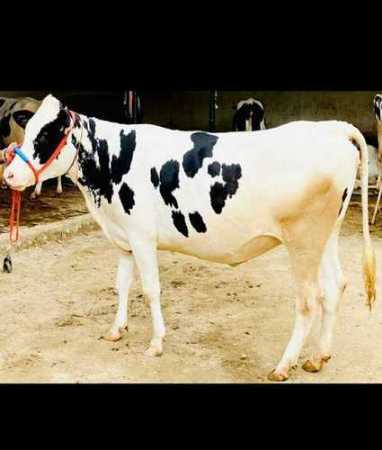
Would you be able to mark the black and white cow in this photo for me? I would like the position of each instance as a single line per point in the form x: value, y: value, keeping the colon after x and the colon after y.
x: 249, y: 116
x: 223, y: 197
x: 14, y: 115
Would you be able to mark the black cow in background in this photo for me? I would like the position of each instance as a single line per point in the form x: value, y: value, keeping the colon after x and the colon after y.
x: 249, y: 115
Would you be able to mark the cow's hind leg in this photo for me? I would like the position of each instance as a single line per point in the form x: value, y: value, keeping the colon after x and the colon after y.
x: 305, y: 236
x: 125, y: 276
x: 306, y: 277
x: 145, y: 254
x: 333, y: 283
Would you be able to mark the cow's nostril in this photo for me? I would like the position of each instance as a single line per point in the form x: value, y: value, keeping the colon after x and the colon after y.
x: 9, y: 176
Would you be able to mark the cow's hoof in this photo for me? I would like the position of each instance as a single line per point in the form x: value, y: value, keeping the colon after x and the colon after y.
x: 277, y: 376
x: 33, y: 196
x: 312, y: 367
x: 114, y: 336
x: 155, y: 349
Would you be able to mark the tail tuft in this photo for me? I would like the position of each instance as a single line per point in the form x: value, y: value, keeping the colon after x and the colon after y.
x: 369, y: 274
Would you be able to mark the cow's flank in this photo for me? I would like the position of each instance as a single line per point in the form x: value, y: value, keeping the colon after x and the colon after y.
x: 300, y: 205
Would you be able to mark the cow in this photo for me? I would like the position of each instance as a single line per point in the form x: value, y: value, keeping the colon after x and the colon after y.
x: 374, y: 168
x: 222, y: 197
x: 14, y: 115
x: 249, y: 116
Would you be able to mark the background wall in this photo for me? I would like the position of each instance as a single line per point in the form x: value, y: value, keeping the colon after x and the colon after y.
x: 188, y: 110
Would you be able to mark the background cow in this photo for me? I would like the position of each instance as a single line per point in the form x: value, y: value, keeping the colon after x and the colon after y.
x: 151, y: 188
x: 249, y: 116
x: 374, y: 168
x: 14, y: 115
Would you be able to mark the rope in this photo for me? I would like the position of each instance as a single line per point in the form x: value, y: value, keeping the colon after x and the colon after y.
x: 14, y: 217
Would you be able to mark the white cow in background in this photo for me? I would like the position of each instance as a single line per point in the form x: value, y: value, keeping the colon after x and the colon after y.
x: 374, y: 169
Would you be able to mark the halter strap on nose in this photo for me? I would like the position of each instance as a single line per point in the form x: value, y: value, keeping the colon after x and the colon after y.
x: 14, y: 150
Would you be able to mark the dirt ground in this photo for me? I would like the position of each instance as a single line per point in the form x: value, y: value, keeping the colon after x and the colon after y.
x: 223, y: 324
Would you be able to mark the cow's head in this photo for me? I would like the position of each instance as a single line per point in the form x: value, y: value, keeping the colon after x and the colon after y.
x: 43, y: 133
x: 377, y: 103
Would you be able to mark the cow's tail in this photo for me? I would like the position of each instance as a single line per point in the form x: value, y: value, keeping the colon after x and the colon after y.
x: 369, y: 262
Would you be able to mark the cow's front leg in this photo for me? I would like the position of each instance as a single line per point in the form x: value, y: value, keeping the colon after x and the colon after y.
x: 59, y: 185
x: 125, y: 276
x: 145, y: 254
x: 37, y: 191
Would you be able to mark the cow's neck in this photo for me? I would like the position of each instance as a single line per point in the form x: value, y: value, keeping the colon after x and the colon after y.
x: 85, y: 139
x: 98, y: 171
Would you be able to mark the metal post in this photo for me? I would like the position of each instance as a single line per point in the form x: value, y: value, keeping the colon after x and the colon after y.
x: 130, y: 106
x: 135, y: 106
x: 212, y: 110
x: 126, y: 106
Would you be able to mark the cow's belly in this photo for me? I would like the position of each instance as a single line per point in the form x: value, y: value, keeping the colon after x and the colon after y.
x: 255, y: 246
x: 230, y: 238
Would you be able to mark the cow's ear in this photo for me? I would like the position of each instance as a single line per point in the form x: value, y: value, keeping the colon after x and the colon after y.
x: 22, y: 117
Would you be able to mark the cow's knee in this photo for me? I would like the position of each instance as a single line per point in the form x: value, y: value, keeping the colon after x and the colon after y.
x: 151, y: 291
x: 307, y: 302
